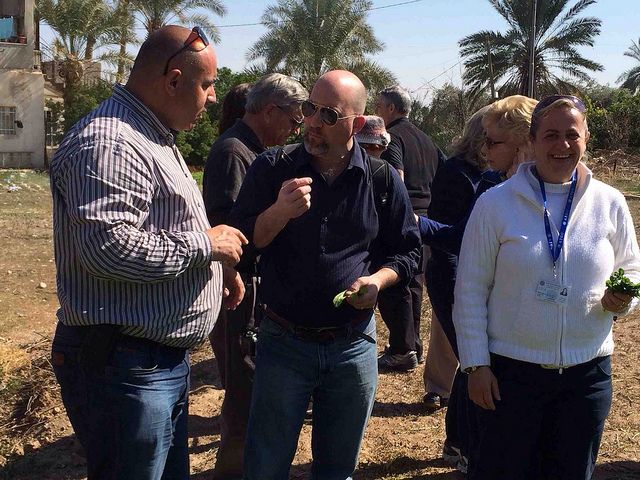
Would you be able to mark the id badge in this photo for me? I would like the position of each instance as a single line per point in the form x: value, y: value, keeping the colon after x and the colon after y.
x: 552, y: 292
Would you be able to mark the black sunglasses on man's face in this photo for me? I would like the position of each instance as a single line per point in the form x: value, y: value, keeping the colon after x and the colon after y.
x: 196, y: 41
x: 328, y: 115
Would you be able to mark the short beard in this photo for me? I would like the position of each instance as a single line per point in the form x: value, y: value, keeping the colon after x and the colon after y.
x: 316, y: 149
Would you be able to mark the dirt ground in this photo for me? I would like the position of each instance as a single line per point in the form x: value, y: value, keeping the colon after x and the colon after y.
x: 402, y: 441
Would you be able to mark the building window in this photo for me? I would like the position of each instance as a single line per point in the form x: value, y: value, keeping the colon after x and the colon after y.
x: 8, y: 120
x: 12, y: 29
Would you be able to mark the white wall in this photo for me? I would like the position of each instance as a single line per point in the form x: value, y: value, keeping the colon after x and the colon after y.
x: 25, y: 91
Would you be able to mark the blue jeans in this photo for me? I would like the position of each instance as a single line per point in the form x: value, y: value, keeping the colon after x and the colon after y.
x: 341, y: 376
x: 130, y: 418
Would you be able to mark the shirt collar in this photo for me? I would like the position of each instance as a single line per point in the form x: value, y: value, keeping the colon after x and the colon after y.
x: 129, y: 100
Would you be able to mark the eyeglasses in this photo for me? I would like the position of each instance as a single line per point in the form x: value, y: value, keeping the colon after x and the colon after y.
x: 327, y: 114
x: 196, y: 38
x: 546, y: 101
x: 491, y: 143
x: 296, y: 122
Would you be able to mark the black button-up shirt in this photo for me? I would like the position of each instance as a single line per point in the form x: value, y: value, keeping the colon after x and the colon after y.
x: 326, y: 249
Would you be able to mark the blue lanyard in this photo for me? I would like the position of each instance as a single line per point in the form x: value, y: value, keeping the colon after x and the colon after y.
x: 555, y: 250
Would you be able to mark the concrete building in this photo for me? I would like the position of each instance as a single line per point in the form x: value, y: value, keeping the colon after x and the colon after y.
x: 22, y: 136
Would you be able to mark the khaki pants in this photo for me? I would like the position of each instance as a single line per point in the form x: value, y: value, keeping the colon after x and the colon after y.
x: 441, y: 363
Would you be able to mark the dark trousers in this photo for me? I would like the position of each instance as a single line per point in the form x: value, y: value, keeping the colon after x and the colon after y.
x: 219, y: 346
x: 234, y: 416
x: 400, y: 308
x: 548, y: 424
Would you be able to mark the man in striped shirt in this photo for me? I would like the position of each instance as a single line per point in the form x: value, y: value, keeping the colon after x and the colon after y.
x: 140, y: 273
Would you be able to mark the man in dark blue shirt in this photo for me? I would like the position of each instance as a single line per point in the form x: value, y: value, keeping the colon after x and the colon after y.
x: 312, y: 214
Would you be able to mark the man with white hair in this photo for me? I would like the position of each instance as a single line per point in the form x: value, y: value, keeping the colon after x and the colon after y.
x: 272, y: 114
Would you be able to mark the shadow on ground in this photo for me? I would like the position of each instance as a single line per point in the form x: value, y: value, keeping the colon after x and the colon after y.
x: 60, y: 460
x: 398, y: 409
x: 406, y: 465
x: 205, y: 372
x: 620, y: 470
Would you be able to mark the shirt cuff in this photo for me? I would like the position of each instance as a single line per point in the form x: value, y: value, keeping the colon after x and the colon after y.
x: 200, y: 250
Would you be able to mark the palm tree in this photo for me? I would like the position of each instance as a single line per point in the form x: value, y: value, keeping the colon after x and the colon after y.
x: 80, y: 26
x: 157, y: 13
x: 123, y: 34
x: 631, y: 78
x: 559, y: 30
x: 306, y: 38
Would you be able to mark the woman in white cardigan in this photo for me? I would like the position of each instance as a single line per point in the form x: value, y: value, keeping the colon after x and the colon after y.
x: 532, y: 313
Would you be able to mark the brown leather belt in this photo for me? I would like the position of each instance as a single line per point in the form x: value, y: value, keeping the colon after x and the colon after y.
x: 317, y: 335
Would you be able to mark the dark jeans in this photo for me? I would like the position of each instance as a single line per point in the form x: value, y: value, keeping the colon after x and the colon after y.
x: 400, y: 308
x: 547, y: 426
x: 341, y: 375
x: 234, y: 415
x: 131, y: 418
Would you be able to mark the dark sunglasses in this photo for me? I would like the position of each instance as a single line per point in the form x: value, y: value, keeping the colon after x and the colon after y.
x: 196, y: 41
x: 546, y: 101
x: 296, y: 122
x: 491, y: 143
x: 327, y: 114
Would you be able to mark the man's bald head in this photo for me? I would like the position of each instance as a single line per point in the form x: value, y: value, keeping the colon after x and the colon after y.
x: 159, y: 46
x: 347, y: 87
x: 175, y: 82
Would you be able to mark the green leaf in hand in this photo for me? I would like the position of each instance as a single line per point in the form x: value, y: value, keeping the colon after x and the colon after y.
x: 620, y: 283
x: 342, y: 296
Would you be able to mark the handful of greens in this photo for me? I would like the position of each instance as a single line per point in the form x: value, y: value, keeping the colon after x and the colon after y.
x: 342, y: 296
x: 620, y: 283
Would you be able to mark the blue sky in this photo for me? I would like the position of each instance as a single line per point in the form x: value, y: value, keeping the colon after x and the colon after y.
x: 421, y: 38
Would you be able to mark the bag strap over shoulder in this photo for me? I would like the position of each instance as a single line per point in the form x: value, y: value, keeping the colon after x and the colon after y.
x: 381, y: 179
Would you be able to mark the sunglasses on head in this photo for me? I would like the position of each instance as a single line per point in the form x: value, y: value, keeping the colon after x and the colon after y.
x: 546, y: 101
x: 327, y: 114
x: 196, y: 41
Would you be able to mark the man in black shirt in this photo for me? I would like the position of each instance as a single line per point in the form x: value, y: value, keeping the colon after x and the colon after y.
x: 312, y: 214
x: 417, y: 158
x: 272, y: 113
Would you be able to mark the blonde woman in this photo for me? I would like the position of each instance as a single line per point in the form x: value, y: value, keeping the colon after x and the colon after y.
x: 532, y: 313
x: 497, y: 136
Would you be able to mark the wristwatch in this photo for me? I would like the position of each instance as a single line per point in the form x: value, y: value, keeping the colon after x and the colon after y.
x: 469, y: 370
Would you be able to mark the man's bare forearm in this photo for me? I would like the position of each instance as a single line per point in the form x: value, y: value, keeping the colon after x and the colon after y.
x: 268, y: 225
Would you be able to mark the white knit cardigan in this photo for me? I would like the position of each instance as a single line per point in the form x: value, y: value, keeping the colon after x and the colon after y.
x: 505, y: 254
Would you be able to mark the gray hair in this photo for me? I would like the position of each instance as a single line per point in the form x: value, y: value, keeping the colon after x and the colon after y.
x: 399, y: 97
x: 277, y: 89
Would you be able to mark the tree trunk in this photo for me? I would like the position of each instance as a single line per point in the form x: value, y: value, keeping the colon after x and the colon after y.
x: 91, y: 43
x: 124, y: 13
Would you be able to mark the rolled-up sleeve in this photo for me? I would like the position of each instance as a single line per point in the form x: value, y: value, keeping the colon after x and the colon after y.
x: 108, y: 193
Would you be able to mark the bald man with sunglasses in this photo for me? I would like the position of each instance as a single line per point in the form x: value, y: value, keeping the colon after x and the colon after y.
x: 140, y: 273
x: 311, y: 212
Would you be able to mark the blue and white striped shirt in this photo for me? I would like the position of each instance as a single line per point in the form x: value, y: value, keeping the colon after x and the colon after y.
x: 128, y: 225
